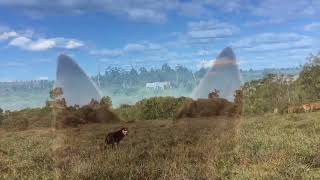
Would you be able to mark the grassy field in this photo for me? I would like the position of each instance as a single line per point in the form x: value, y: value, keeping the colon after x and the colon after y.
x: 262, y: 147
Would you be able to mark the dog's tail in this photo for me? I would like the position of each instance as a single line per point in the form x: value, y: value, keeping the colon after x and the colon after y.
x: 107, y: 140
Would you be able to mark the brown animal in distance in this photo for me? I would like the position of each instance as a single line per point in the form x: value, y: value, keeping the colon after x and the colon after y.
x: 307, y: 107
x: 315, y: 106
x: 296, y: 109
x: 310, y: 107
x: 115, y: 137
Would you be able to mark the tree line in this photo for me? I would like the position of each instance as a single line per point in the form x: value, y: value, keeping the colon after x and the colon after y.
x: 180, y: 77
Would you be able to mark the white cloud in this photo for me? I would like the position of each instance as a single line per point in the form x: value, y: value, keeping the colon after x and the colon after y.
x: 41, y: 44
x: 315, y: 26
x: 137, y: 10
x: 7, y: 35
x: 274, y: 42
x: 134, y: 48
x: 73, y: 44
x: 229, y: 6
x: 107, y: 52
x: 146, y: 15
x: 203, y: 32
x: 131, y: 48
x: 44, y: 43
x: 265, y: 22
x: 193, y: 9
x: 20, y: 42
x: 217, y: 33
x: 286, y: 9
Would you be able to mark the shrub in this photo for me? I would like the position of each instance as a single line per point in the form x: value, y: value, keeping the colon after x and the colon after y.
x: 94, y: 112
x: 207, y: 108
x: 27, y: 118
x: 152, y: 108
x: 106, y: 100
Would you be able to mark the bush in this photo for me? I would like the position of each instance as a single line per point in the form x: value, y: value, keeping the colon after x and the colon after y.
x: 309, y: 82
x: 152, y: 108
x: 27, y: 118
x: 267, y: 94
x: 106, y: 100
x: 214, y: 106
x: 94, y: 112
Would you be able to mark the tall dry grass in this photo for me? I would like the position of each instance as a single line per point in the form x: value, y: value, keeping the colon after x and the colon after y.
x: 187, y: 149
x: 261, y: 147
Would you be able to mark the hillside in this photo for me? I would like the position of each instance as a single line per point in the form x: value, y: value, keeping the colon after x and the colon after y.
x: 260, y: 147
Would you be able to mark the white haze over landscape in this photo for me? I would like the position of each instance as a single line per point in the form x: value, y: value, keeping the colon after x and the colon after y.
x: 222, y: 74
x: 125, y: 37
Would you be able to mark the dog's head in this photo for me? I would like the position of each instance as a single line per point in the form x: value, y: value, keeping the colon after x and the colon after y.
x: 124, y: 131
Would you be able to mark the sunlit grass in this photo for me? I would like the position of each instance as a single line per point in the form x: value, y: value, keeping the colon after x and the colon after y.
x: 262, y: 147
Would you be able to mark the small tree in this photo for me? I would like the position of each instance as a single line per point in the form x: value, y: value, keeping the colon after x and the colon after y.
x: 106, y: 101
x: 57, y: 103
x: 56, y: 93
x: 309, y: 81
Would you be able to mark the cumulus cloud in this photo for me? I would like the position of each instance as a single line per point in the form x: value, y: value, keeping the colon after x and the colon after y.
x: 44, y: 43
x: 73, y: 44
x: 20, y: 41
x: 40, y: 44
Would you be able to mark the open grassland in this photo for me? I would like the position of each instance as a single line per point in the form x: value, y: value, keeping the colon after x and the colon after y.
x: 262, y: 147
x: 279, y: 147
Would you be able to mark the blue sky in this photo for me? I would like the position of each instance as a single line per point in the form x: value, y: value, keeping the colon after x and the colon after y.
x: 135, y: 33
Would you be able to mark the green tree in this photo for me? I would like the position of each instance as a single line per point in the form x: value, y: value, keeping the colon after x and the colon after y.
x: 56, y: 93
x: 265, y: 95
x: 309, y: 80
x: 106, y: 101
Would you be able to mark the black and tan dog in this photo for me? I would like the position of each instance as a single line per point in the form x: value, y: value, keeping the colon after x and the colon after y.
x: 115, y: 137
